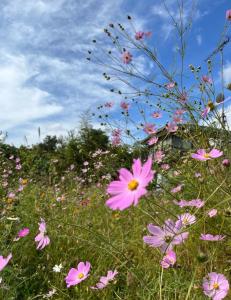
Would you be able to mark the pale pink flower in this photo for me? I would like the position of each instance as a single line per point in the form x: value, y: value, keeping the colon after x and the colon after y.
x: 215, y: 286
x: 4, y: 261
x: 212, y: 213
x: 170, y: 85
x: 149, y: 128
x: 228, y: 14
x: 177, y: 119
x: 42, y: 239
x: 11, y: 157
x: 11, y: 195
x: 104, y: 280
x: 126, y: 57
x: 156, y: 115
x: 169, y: 259
x: 179, y: 112
x: 177, y: 188
x: 186, y: 219
x: 18, y: 167
x: 131, y: 186
x: 198, y: 203
x: 212, y: 238
x: 165, y: 167
x: 165, y: 237
x: 152, y: 141
x: 76, y: 275
x: 171, y: 127
x: 158, y: 156
x: 203, y: 155
x: 197, y: 174
x: 206, y: 79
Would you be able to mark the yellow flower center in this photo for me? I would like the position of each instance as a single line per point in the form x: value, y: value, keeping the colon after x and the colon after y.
x: 211, y: 105
x: 80, y: 275
x: 206, y: 155
x: 216, y: 286
x: 185, y: 221
x: 133, y: 184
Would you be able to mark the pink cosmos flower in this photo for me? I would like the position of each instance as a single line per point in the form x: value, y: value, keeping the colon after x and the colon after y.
x: 206, y: 79
x: 197, y: 174
x: 165, y: 237
x: 183, y: 97
x: 156, y: 115
x: 152, y: 141
x: 124, y: 105
x: 116, y: 137
x: 212, y: 238
x: 4, y: 261
x: 198, y: 203
x: 104, y: 280
x: 177, y: 189
x: 108, y: 104
x: 212, y: 213
x: 23, y: 232
x: 186, y: 219
x: 18, y: 167
x: 140, y: 35
x: 75, y: 276
x: 228, y: 15
x: 165, y: 167
x: 158, y: 156
x: 149, y: 128
x: 203, y: 155
x: 170, y: 85
x: 42, y: 239
x: 11, y: 195
x: 177, y: 119
x: 169, y: 259
x: 126, y: 57
x: 131, y: 186
x: 179, y: 112
x: 226, y: 162
x: 171, y: 127
x: 215, y: 286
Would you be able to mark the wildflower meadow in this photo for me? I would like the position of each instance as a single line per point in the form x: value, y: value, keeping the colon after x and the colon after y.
x: 140, y: 206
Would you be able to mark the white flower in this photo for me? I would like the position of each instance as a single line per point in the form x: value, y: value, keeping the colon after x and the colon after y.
x: 57, y: 268
x: 50, y: 294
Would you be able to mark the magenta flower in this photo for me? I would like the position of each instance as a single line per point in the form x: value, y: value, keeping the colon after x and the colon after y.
x: 226, y: 162
x: 215, y: 286
x: 23, y: 232
x: 104, y: 280
x: 212, y: 238
x: 108, y: 104
x: 198, y: 203
x: 131, y: 186
x: 140, y: 35
x: 126, y: 57
x: 228, y: 15
x: 42, y: 239
x: 149, y: 128
x: 4, y: 261
x: 165, y: 237
x: 169, y: 259
x: 186, y: 219
x: 152, y: 141
x: 75, y: 276
x: 203, y: 155
x: 212, y: 213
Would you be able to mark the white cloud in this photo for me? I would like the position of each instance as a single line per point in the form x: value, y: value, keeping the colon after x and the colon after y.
x: 19, y: 101
x: 227, y: 73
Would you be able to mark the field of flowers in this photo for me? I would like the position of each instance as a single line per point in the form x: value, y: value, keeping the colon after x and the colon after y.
x: 150, y: 225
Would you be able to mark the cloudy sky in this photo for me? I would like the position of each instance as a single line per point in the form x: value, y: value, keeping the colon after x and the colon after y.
x: 45, y: 80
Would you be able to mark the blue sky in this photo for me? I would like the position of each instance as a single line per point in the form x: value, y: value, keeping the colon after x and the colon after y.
x: 45, y: 79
